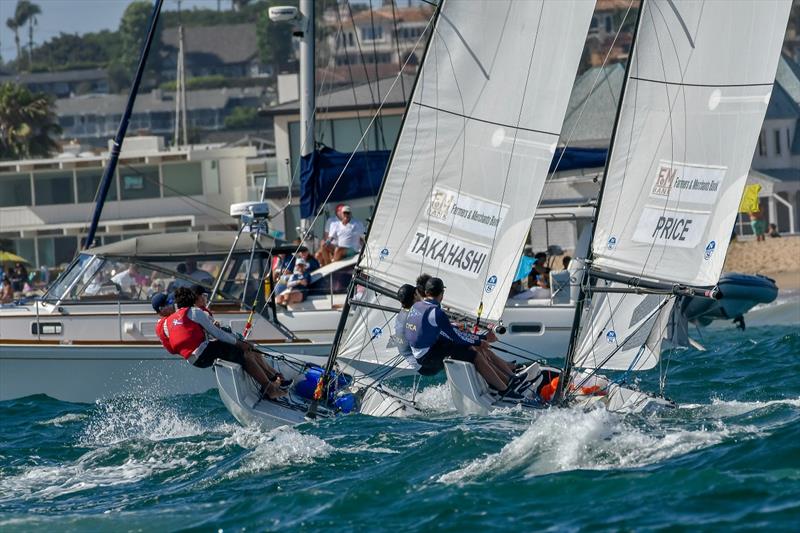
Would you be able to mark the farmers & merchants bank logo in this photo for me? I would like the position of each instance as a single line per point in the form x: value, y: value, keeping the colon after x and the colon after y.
x: 688, y: 183
x: 440, y: 204
x: 473, y: 215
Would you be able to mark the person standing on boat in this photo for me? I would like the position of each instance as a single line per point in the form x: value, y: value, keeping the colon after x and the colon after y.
x: 433, y: 338
x: 193, y: 336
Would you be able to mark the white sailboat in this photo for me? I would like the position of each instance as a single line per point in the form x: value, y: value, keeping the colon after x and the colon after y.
x: 696, y: 90
x: 471, y: 160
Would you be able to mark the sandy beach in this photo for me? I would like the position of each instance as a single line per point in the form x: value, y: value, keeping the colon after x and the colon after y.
x: 778, y: 258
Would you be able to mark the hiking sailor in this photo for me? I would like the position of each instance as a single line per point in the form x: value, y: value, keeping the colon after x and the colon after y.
x: 190, y: 333
x: 432, y: 338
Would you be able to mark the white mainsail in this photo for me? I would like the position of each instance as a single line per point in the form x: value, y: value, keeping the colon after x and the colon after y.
x: 696, y: 92
x: 475, y: 147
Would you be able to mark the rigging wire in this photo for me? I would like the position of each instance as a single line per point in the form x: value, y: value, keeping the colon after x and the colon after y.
x: 319, y: 213
x: 379, y: 124
x: 397, y: 45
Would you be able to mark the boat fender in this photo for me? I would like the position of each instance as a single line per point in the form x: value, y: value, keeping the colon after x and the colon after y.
x: 346, y: 403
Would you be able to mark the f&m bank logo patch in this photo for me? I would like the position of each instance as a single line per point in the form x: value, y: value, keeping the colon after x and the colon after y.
x: 687, y: 183
x: 477, y: 216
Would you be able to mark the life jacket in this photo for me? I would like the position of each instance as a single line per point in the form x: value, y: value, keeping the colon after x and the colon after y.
x: 163, y: 336
x: 184, y: 335
x: 549, y: 390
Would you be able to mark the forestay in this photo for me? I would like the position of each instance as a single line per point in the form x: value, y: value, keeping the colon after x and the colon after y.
x: 474, y: 150
x: 698, y: 88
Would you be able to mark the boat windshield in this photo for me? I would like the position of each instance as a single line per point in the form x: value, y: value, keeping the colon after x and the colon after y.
x: 92, y: 278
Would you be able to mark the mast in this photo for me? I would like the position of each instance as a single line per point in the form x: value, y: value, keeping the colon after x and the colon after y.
x: 573, y: 340
x: 307, y: 88
x: 312, y: 409
x: 111, y: 167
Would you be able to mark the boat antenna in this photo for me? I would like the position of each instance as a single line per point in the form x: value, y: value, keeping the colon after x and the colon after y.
x: 116, y: 148
x: 582, y: 294
x: 322, y: 384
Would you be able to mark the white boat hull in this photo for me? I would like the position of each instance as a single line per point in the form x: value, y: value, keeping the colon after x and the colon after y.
x: 472, y: 396
x: 79, y: 373
x: 240, y: 394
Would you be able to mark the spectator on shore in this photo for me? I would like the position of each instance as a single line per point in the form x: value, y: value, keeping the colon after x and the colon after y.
x: 773, y: 231
x: 758, y: 225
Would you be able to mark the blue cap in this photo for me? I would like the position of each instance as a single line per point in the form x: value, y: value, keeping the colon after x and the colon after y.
x: 161, y: 300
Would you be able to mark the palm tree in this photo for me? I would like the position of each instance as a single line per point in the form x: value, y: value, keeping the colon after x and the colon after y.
x: 27, y: 121
x: 26, y: 14
x: 13, y: 26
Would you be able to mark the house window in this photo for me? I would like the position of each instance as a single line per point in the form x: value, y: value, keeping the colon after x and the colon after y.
x: 89, y: 181
x: 16, y: 190
x: 609, y: 24
x: 762, y: 144
x: 183, y: 179
x: 372, y: 33
x: 53, y: 188
x: 139, y: 182
x: 777, y: 142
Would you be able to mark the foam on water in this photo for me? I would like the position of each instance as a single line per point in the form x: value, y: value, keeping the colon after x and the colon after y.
x: 728, y: 408
x: 569, y: 439
x: 276, y: 448
x: 435, y: 398
x: 125, y: 419
x: 90, y: 471
x: 63, y: 420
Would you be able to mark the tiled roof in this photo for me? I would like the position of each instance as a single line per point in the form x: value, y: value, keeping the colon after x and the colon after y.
x: 109, y: 104
x: 228, y: 43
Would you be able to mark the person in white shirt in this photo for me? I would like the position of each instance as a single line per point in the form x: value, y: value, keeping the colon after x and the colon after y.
x: 128, y: 280
x: 348, y: 236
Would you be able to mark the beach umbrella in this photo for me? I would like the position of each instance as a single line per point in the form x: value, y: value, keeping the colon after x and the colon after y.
x: 8, y: 257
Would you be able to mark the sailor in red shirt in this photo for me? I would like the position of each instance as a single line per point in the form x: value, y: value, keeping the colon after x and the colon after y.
x: 163, y: 305
x: 192, y: 335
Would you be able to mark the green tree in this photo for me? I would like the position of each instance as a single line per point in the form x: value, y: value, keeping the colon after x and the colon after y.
x: 132, y: 33
x: 12, y: 24
x: 274, y: 38
x: 243, y: 117
x: 27, y: 121
x: 25, y: 13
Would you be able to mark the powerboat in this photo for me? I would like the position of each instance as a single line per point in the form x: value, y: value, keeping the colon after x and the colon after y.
x: 91, y: 335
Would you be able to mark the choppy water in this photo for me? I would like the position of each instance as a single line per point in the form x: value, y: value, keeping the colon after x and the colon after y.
x: 729, y: 459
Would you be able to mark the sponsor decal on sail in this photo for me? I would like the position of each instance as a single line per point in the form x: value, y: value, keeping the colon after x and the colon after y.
x: 477, y: 216
x: 688, y: 183
x: 679, y: 229
x: 710, y: 247
x: 491, y: 283
x: 448, y: 252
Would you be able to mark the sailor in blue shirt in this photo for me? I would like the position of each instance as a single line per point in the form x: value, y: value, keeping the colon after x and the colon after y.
x: 432, y: 338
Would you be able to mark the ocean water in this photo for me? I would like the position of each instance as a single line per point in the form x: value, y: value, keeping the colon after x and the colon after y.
x: 727, y: 459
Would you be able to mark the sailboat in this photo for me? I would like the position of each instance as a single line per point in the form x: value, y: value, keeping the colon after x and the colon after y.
x: 696, y: 90
x: 471, y: 159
